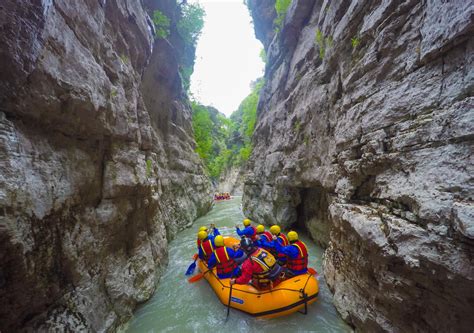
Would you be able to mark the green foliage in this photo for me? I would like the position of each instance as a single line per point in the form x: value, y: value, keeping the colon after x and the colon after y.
x: 281, y: 7
x: 222, y: 142
x: 329, y: 41
x: 211, y: 130
x: 186, y: 72
x: 306, y: 139
x: 113, y: 92
x: 162, y: 24
x: 124, y: 59
x: 191, y: 22
x: 355, y: 41
x: 247, y: 115
x: 249, y: 110
x: 320, y: 41
x: 323, y: 42
x: 263, y: 55
x: 297, y: 126
x: 245, y: 152
x: 202, y: 126
x: 149, y: 166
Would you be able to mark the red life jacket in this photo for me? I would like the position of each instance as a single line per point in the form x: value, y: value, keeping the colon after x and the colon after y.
x: 284, y: 240
x: 207, y: 248
x: 225, y: 264
x: 301, y: 261
x: 198, y: 242
x: 254, y: 236
x: 267, y: 235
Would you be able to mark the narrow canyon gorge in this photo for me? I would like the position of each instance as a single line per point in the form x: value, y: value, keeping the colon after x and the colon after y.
x: 364, y: 140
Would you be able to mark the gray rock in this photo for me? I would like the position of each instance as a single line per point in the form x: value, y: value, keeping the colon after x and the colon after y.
x: 97, y: 162
x: 364, y: 139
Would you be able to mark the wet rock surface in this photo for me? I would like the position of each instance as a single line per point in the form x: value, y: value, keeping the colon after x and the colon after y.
x: 365, y: 138
x: 97, y: 162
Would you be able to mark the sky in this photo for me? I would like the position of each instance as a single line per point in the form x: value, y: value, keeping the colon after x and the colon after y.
x: 227, y: 56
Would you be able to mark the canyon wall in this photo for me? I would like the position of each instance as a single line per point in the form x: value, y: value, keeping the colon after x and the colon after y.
x: 97, y: 162
x: 365, y: 138
x: 231, y: 181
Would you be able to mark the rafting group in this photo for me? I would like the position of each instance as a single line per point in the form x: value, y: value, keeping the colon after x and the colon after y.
x: 222, y: 196
x: 267, y: 269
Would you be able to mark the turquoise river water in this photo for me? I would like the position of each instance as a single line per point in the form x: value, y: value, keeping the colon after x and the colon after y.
x: 178, y: 306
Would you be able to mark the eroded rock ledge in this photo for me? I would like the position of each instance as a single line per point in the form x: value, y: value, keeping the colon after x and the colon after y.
x: 365, y: 138
x: 97, y: 163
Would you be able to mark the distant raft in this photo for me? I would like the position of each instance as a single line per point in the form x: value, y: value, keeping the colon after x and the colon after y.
x: 289, y: 296
x: 222, y: 196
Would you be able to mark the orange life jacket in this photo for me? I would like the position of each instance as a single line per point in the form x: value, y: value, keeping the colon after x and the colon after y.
x: 301, y: 261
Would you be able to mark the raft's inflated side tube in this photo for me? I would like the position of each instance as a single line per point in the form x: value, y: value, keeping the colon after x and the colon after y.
x: 289, y: 296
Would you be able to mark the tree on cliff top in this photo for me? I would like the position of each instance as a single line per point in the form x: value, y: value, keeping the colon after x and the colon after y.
x: 191, y: 23
x: 189, y: 26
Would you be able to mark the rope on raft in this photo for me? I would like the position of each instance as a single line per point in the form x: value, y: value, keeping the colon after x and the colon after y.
x: 302, y: 291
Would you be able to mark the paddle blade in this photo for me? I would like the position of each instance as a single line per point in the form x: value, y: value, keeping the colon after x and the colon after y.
x: 191, y: 269
x: 312, y: 271
x: 196, y: 278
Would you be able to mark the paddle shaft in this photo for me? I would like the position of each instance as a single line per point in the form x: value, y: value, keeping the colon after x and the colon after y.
x: 197, y: 277
x: 228, y: 303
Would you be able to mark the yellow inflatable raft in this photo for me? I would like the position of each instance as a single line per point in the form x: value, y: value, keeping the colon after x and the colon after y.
x: 289, y: 296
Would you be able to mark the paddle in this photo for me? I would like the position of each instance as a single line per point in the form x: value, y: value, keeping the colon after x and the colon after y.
x: 228, y: 303
x: 192, y: 267
x: 197, y: 277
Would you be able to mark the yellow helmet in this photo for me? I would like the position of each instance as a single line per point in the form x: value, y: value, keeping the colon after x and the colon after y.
x: 219, y: 240
x: 292, y: 236
x: 275, y: 230
x: 260, y: 228
x: 246, y: 222
x: 203, y: 228
x: 202, y: 235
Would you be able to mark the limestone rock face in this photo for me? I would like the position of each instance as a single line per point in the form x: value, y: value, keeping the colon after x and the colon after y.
x: 97, y: 162
x: 365, y: 138
x: 231, y: 181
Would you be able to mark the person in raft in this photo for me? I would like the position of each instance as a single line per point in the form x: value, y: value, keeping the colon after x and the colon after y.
x: 205, y: 245
x: 249, y: 230
x: 213, y: 232
x: 264, y: 238
x: 226, y: 259
x: 297, y: 254
x: 275, y: 230
x: 260, y: 268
